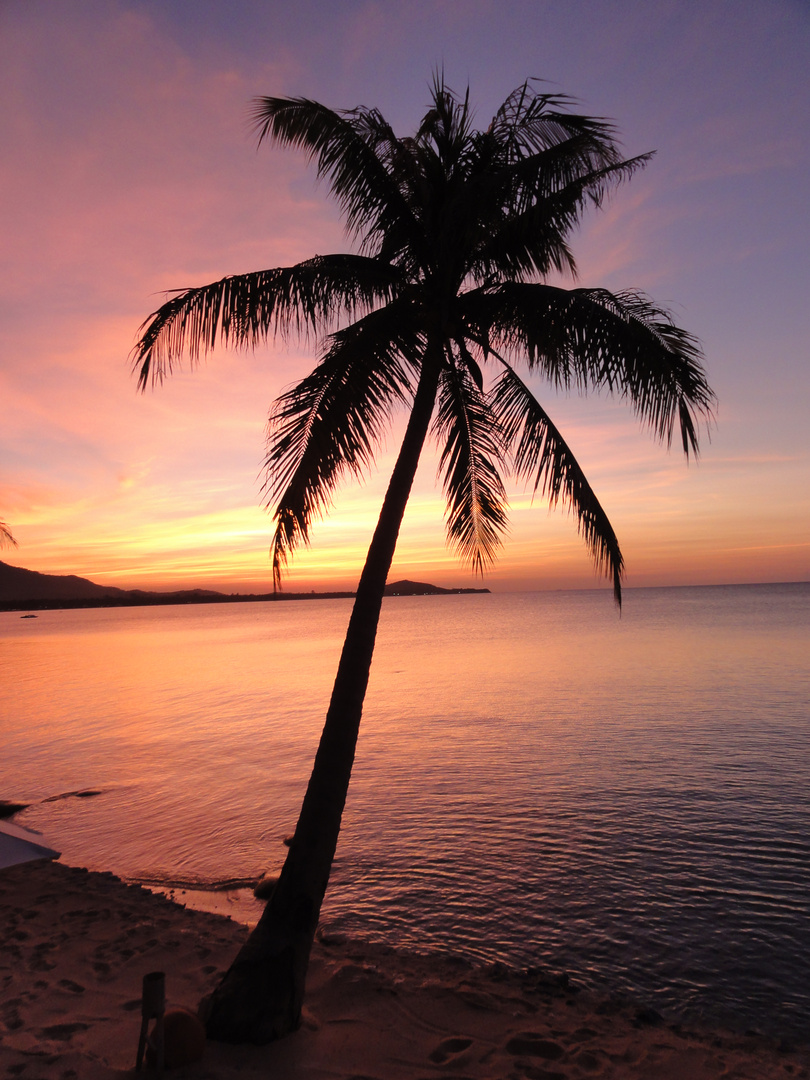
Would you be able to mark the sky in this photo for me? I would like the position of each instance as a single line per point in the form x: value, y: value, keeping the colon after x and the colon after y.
x: 129, y: 168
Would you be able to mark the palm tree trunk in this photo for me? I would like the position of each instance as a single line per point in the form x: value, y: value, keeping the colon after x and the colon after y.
x: 260, y: 996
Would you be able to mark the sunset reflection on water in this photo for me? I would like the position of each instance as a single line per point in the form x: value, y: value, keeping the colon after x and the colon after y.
x: 538, y: 779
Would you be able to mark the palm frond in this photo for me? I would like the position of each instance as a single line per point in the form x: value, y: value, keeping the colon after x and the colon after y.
x: 532, y: 208
x: 471, y: 447
x: 246, y: 309
x: 529, y: 121
x: 543, y: 458
x: 332, y: 422
x: 522, y: 182
x: 355, y: 150
x: 446, y: 125
x: 594, y: 339
x: 6, y: 536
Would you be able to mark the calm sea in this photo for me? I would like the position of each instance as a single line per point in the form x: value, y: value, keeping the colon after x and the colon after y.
x: 538, y: 781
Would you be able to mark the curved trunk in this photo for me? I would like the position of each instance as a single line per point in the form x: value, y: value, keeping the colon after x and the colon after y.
x: 260, y: 996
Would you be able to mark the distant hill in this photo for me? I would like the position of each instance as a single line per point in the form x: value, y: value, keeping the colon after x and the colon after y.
x: 27, y: 589
x: 420, y: 588
x: 17, y: 584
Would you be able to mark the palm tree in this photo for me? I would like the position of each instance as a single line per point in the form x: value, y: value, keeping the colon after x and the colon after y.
x: 457, y: 232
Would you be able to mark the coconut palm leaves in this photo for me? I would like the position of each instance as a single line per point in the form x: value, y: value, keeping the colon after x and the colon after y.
x: 246, y: 309
x: 331, y: 423
x: 543, y: 459
x: 593, y: 339
x: 472, y: 447
x: 457, y: 230
x: 6, y: 535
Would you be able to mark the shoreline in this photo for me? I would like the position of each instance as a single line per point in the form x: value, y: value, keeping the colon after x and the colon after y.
x: 77, y: 943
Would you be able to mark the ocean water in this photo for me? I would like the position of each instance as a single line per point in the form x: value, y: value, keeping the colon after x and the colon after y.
x: 538, y: 781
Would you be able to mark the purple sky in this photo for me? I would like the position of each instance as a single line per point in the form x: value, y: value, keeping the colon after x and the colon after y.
x: 129, y: 168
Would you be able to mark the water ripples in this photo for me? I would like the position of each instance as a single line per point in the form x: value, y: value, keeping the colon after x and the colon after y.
x: 537, y: 782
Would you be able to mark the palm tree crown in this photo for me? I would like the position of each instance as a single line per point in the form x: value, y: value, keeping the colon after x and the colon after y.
x: 458, y: 230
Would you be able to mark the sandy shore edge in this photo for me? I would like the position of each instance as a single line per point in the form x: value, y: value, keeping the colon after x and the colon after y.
x: 76, y: 945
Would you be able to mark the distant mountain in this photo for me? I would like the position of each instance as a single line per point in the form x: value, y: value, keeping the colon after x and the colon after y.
x: 420, y: 588
x: 24, y: 589
x: 17, y: 584
x: 20, y: 587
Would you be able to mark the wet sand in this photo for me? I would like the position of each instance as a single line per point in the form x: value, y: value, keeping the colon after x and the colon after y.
x: 76, y: 945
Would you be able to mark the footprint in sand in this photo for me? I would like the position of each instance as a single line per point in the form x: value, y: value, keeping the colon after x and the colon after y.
x: 587, y: 1060
x: 63, y: 1032
x: 39, y: 963
x: 10, y: 1016
x: 448, y: 1048
x: 529, y: 1044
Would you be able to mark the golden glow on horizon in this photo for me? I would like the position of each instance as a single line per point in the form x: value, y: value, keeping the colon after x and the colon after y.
x: 160, y: 521
x: 227, y: 550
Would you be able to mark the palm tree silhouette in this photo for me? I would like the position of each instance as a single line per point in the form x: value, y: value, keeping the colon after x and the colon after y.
x: 457, y: 232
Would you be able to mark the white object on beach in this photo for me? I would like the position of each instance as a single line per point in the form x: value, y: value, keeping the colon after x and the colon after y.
x: 18, y: 845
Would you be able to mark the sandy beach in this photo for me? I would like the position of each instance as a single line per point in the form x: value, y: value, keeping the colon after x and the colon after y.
x: 76, y: 946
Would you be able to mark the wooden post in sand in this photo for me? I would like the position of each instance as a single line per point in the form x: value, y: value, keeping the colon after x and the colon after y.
x: 153, y: 1007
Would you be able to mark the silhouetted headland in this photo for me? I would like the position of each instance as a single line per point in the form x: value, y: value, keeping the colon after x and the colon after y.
x: 24, y: 590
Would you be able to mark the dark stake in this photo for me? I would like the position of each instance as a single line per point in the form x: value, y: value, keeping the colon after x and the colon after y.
x: 153, y: 1007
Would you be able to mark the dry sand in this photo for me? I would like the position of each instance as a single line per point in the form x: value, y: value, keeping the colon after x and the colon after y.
x: 76, y: 945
